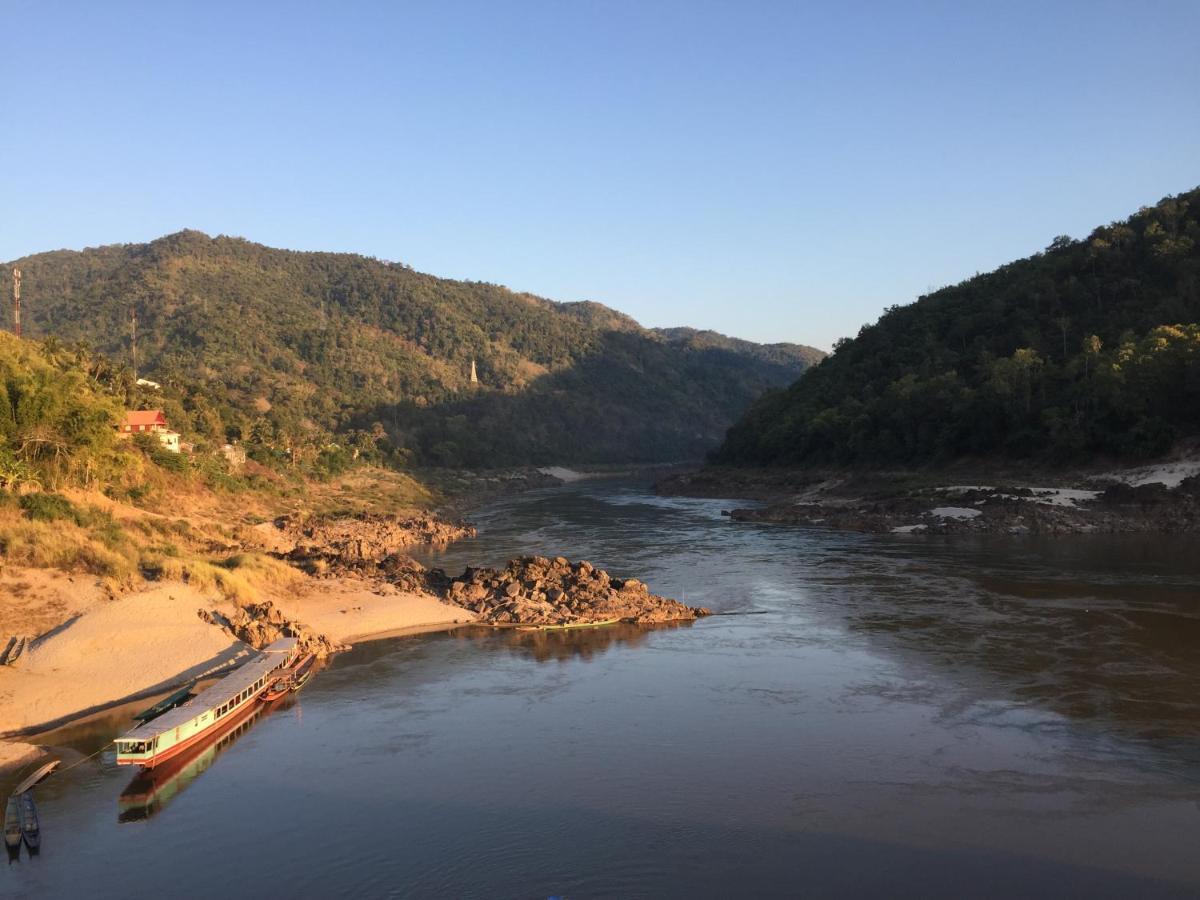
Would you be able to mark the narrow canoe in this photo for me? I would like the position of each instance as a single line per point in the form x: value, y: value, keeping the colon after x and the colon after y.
x: 12, y: 823
x: 166, y: 704
x: 37, y: 776
x: 29, y: 822
x: 303, y: 672
x: 569, y: 626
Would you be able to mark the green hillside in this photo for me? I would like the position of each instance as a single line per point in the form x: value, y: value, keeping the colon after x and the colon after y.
x: 1091, y: 347
x: 283, y: 349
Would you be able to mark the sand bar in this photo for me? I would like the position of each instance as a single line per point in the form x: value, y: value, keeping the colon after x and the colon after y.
x: 151, y: 641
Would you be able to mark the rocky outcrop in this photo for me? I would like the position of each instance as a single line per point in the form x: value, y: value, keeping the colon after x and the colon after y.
x: 259, y: 624
x: 535, y: 590
x: 363, y: 541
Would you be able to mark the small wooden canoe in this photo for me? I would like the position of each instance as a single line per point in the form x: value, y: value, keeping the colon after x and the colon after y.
x: 570, y: 626
x: 37, y: 776
x: 12, y: 824
x: 29, y: 822
x: 180, y: 697
x: 303, y: 672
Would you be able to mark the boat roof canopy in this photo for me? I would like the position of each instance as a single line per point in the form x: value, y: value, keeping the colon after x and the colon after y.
x: 283, y: 645
x: 216, y: 695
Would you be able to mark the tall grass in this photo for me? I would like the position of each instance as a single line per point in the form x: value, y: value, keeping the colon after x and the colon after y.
x: 241, y: 578
x: 47, y: 531
x: 63, y: 544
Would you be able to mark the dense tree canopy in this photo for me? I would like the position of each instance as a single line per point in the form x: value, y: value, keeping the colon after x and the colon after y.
x: 283, y: 349
x: 1090, y: 347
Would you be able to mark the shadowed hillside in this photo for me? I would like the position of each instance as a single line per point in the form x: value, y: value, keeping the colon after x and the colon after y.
x: 283, y: 349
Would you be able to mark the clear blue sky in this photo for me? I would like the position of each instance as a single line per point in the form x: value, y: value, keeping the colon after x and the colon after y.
x: 777, y: 171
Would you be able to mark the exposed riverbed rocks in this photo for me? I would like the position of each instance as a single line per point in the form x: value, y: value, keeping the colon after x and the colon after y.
x: 1106, y: 508
x: 317, y: 542
x: 260, y: 624
x: 534, y: 590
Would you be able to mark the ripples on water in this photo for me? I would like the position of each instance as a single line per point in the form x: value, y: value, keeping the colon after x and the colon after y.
x: 902, y: 715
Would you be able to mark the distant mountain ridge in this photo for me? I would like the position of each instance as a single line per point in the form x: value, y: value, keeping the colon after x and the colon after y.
x: 284, y: 346
x: 1090, y: 348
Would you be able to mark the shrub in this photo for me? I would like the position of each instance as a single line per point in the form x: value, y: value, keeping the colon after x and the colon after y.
x: 49, y: 508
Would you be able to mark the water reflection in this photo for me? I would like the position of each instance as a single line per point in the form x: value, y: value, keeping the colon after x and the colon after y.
x: 561, y: 646
x: 1091, y: 628
x: 152, y: 790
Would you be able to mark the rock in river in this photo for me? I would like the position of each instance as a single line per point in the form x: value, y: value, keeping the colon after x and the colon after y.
x: 534, y: 590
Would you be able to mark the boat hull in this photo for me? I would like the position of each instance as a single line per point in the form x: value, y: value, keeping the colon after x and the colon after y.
x: 217, y: 728
x: 12, y: 824
x: 152, y: 789
x: 221, y: 705
x: 29, y: 823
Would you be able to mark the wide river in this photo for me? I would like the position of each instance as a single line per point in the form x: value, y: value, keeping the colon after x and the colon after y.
x: 894, y: 716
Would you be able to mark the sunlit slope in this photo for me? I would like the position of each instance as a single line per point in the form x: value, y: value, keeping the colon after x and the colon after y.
x: 1088, y: 348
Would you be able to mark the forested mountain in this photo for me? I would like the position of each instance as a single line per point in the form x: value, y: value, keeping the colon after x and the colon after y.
x: 1091, y: 347
x: 283, y: 349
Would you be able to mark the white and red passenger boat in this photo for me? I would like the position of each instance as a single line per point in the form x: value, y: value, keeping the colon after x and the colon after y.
x: 216, y: 708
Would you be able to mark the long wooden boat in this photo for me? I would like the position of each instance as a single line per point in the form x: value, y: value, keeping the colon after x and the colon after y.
x: 12, y: 825
x: 166, y: 704
x: 232, y: 698
x: 38, y: 775
x: 29, y: 822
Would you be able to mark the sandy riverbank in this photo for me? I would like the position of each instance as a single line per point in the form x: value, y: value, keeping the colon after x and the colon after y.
x: 148, y: 642
x: 349, y: 610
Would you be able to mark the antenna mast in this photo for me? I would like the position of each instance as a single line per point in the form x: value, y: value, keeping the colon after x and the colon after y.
x: 133, y: 339
x: 16, y: 301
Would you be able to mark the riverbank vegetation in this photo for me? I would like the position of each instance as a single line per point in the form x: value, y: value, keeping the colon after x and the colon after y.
x: 1091, y: 348
x: 76, y: 497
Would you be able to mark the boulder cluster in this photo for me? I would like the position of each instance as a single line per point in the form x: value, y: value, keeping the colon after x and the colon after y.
x: 260, y: 624
x: 534, y: 590
x: 363, y: 541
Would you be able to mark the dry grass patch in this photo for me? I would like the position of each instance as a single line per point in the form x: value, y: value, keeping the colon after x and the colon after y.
x: 241, y: 578
x: 64, y: 544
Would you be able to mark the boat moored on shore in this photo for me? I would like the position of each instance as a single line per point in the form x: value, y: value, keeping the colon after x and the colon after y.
x: 218, y: 706
x: 12, y: 825
x: 41, y: 772
x: 290, y: 679
x: 30, y: 829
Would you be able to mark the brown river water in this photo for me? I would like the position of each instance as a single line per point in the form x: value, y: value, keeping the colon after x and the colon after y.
x: 899, y: 715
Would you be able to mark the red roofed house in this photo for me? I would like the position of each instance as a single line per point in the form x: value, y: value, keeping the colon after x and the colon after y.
x: 152, y: 421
